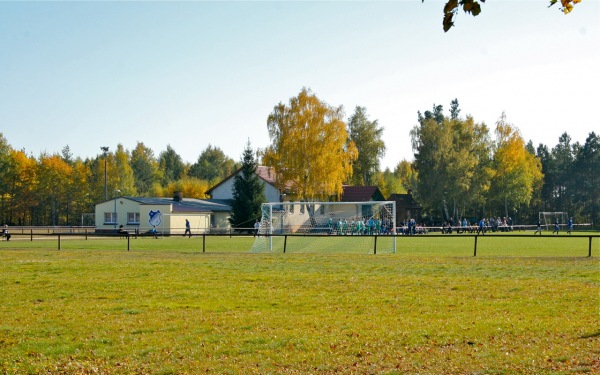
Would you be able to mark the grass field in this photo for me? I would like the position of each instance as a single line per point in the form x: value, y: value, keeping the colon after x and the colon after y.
x: 522, y: 306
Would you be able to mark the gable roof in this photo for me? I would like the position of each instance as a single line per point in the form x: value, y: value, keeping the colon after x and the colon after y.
x: 361, y: 194
x: 267, y: 174
x: 186, y: 204
x: 405, y: 200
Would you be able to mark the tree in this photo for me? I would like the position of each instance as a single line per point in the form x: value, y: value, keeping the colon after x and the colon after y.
x: 191, y: 187
x: 586, y: 171
x: 367, y: 137
x: 21, y: 181
x: 451, y: 157
x: 145, y: 168
x: 53, y: 175
x: 5, y: 173
x: 248, y: 193
x: 309, y: 149
x: 407, y: 176
x: 171, y: 165
x: 125, y: 181
x: 388, y: 183
x: 516, y: 171
x: 474, y: 8
x: 212, y: 165
x: 563, y: 157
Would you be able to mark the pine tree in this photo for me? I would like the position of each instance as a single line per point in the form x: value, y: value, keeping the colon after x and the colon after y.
x: 248, y: 193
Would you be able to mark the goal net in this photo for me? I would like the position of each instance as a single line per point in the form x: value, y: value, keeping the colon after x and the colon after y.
x: 548, y: 219
x: 335, y: 226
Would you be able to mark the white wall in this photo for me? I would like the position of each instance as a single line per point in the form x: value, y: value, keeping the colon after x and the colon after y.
x: 225, y: 191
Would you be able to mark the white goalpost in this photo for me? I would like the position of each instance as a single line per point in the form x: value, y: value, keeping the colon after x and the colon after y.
x: 335, y: 226
x: 548, y: 219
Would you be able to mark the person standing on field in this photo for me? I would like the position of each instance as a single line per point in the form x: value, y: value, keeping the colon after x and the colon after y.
x: 256, y: 227
x: 539, y: 228
x: 5, y: 232
x: 188, y: 230
x: 570, y: 225
x: 481, y: 228
x: 556, y: 227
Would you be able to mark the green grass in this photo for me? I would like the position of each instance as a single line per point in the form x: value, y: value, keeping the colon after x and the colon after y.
x: 522, y: 306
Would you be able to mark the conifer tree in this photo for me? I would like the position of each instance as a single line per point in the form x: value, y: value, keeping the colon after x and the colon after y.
x: 248, y: 193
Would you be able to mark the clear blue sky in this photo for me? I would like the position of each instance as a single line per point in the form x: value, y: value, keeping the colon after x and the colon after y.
x: 190, y: 74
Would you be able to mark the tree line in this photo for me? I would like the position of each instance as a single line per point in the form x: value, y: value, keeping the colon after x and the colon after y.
x: 59, y: 189
x: 459, y: 168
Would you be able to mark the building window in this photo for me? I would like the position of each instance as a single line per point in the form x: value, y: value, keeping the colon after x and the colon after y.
x: 133, y: 218
x: 322, y: 208
x: 291, y: 207
x: 110, y: 218
x: 301, y: 208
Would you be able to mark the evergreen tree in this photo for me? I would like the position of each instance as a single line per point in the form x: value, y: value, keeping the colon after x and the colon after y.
x: 248, y: 193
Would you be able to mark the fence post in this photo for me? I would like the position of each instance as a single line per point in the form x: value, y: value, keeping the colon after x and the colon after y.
x: 589, y: 246
x: 475, y: 248
x: 375, y: 246
x: 284, y: 243
x: 203, y: 242
x: 127, y: 242
x: 31, y: 234
x: 59, y: 241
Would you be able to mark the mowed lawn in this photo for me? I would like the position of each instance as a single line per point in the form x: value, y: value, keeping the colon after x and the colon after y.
x: 522, y: 306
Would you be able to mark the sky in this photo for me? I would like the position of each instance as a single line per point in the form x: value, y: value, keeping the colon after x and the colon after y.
x: 190, y: 74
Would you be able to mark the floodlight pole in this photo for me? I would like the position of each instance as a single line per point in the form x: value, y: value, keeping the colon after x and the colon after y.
x: 105, y: 150
x: 115, y: 222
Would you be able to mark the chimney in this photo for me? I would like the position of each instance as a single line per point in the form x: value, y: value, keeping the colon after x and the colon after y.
x: 178, y: 196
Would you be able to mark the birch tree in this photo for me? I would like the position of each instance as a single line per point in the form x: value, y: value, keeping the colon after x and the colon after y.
x: 309, y: 148
x: 516, y: 171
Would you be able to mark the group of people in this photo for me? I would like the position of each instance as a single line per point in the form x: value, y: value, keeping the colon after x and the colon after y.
x: 411, y: 227
x: 556, y: 227
x: 360, y: 226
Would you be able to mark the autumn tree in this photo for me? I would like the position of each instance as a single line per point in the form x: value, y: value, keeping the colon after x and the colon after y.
x: 125, y: 179
x: 212, y: 165
x: 248, y: 193
x: 516, y: 171
x: 309, y: 147
x: 190, y: 187
x: 407, y: 176
x: 367, y: 136
x: 53, y: 175
x: 473, y: 7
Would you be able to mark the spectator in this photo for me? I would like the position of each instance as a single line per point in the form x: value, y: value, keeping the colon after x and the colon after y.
x: 5, y: 233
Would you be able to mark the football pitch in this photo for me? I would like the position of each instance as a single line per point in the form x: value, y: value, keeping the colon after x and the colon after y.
x: 180, y: 306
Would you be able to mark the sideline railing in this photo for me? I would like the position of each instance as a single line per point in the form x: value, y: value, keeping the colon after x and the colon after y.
x: 398, y: 238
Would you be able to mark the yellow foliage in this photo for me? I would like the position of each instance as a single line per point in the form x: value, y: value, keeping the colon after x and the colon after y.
x: 309, y: 150
x: 189, y: 186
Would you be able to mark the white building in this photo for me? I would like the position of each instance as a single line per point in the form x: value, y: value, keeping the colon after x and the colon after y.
x: 168, y: 215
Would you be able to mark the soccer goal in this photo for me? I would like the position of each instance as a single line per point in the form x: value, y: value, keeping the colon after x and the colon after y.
x: 335, y: 226
x: 548, y: 219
